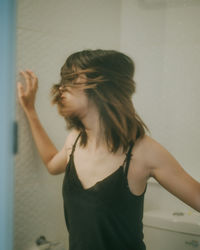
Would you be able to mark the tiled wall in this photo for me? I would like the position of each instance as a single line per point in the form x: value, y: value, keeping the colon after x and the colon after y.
x: 47, y: 32
x: 163, y: 39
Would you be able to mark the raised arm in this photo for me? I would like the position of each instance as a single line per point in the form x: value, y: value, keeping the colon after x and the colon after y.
x: 171, y: 175
x: 54, y: 160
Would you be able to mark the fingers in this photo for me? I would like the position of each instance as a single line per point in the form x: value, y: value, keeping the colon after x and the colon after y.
x: 20, y: 93
x: 27, y: 81
x: 34, y: 79
x: 30, y: 79
x: 20, y: 89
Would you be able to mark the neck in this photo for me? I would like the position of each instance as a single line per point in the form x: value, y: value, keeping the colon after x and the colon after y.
x: 94, y: 132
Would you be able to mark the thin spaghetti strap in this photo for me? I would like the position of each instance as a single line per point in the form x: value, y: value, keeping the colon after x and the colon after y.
x: 73, y: 148
x: 128, y: 157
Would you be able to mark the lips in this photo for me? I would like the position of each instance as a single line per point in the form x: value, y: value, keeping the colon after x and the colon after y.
x: 63, y: 99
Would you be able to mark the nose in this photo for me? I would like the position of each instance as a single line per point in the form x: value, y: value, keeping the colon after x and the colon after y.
x: 60, y: 88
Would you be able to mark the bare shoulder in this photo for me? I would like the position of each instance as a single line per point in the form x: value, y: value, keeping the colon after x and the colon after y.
x: 70, y: 140
x: 150, y: 151
x: 157, y: 159
x: 58, y: 162
x: 143, y: 146
x: 147, y: 141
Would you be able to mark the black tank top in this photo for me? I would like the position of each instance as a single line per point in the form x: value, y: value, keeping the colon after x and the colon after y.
x: 106, y: 216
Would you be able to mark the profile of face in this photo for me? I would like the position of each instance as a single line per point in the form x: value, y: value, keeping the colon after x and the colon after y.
x: 74, y: 100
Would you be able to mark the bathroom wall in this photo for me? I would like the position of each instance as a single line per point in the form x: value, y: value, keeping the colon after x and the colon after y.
x: 163, y: 38
x: 47, y: 32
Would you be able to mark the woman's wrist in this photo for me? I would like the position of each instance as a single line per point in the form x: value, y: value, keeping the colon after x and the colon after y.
x: 30, y: 113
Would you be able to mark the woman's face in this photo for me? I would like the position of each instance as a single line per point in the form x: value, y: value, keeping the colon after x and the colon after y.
x: 74, y: 100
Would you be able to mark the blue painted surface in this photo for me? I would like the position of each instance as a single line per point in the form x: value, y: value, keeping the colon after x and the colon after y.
x: 7, y: 116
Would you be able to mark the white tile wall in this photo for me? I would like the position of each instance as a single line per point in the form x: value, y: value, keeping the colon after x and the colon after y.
x: 47, y: 32
x: 163, y: 39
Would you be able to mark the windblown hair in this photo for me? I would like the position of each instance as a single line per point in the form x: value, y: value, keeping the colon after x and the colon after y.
x: 110, y: 87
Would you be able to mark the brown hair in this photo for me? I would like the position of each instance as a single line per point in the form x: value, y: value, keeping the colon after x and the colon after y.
x: 110, y: 86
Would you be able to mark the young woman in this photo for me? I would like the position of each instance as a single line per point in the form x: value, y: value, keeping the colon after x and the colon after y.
x: 107, y: 157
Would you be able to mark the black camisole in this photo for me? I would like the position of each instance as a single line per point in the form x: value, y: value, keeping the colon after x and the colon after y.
x: 106, y: 216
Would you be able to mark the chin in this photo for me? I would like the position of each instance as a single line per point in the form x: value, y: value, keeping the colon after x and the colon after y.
x: 71, y: 113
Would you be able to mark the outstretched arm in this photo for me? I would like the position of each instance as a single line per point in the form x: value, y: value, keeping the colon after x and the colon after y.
x: 170, y: 174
